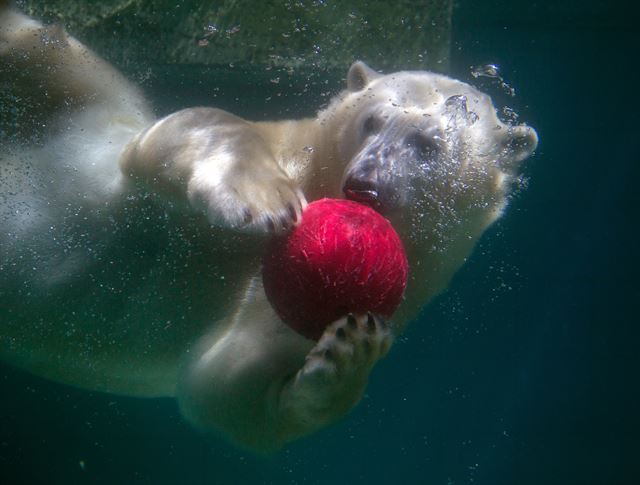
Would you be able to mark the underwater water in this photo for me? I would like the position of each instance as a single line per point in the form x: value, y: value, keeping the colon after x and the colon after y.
x: 523, y: 372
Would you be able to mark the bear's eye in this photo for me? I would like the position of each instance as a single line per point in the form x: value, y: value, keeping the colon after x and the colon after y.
x: 425, y: 146
x: 371, y: 125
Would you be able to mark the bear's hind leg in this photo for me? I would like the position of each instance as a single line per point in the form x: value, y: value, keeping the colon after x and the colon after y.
x: 50, y: 70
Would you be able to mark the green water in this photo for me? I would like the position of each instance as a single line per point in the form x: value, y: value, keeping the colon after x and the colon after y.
x: 524, y: 372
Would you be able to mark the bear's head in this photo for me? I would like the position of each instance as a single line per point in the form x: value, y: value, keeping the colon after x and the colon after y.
x: 427, y: 151
x: 422, y: 143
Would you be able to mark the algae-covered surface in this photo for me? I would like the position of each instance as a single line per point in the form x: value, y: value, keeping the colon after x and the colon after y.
x: 282, y: 33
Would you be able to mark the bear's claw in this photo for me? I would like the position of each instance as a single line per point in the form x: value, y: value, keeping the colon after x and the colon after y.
x: 270, y: 203
x: 355, y: 343
x: 336, y: 370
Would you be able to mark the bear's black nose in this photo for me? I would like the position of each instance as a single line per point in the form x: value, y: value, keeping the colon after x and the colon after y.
x: 362, y: 191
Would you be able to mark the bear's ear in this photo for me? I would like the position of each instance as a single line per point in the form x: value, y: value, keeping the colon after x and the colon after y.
x: 360, y: 75
x: 520, y: 142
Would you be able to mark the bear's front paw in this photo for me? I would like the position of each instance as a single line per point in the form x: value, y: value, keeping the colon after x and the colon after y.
x: 336, y: 370
x: 263, y: 199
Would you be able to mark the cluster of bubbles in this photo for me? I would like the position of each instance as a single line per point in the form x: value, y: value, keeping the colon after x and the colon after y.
x: 459, y: 115
x: 492, y: 71
x: 437, y: 180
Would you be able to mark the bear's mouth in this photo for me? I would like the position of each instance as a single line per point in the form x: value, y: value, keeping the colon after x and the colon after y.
x: 367, y: 197
x: 363, y: 192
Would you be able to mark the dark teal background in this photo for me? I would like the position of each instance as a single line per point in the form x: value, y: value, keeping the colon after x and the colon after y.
x: 524, y: 372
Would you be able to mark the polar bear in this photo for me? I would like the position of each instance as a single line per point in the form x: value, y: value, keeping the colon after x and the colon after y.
x: 130, y: 246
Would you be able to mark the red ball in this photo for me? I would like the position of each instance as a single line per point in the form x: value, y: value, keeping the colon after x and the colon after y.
x: 343, y: 257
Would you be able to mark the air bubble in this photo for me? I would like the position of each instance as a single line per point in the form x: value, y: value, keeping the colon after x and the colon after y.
x: 486, y: 70
x: 492, y: 71
x: 509, y: 115
x: 457, y: 104
x: 456, y: 107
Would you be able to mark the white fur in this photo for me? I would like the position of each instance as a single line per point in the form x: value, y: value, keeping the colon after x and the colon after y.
x: 130, y: 246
